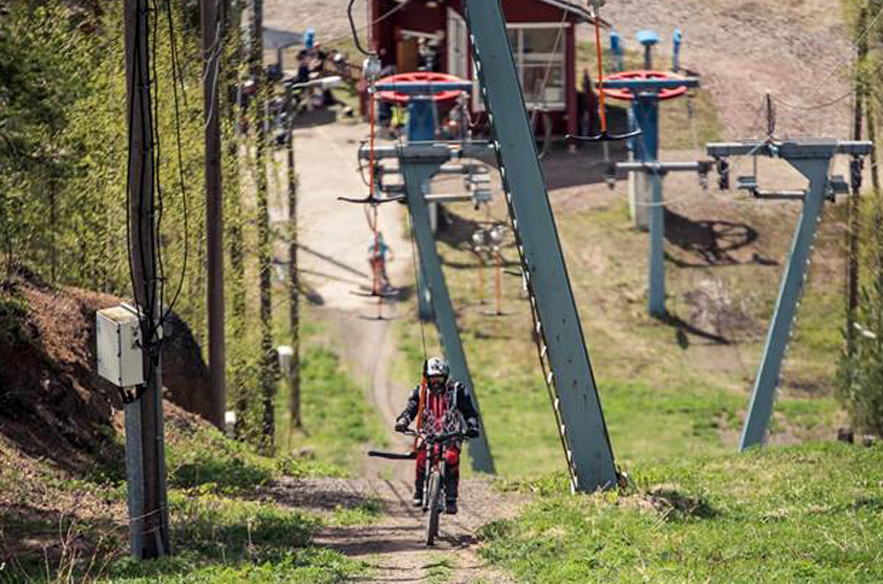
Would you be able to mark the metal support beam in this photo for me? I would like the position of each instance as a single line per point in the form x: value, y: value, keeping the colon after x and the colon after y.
x: 656, y: 295
x: 656, y: 172
x: 767, y: 381
x: 645, y: 110
x: 416, y: 174
x: 812, y: 158
x: 583, y: 430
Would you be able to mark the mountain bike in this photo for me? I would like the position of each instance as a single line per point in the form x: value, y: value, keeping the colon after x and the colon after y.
x: 434, y: 476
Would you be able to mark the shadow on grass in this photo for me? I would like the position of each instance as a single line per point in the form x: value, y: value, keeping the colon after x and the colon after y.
x: 683, y: 328
x: 711, y: 241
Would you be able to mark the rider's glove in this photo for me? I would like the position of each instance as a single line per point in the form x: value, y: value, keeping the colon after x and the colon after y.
x: 472, y: 429
x: 402, y: 424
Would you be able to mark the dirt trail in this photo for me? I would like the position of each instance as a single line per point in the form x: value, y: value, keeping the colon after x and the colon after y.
x: 334, y: 238
x: 393, y: 546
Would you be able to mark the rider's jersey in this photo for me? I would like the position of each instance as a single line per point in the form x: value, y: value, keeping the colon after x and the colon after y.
x: 442, y: 409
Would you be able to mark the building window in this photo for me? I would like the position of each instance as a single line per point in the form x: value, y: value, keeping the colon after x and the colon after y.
x: 539, y: 52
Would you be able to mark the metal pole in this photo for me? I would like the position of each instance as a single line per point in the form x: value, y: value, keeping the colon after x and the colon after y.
x: 647, y: 115
x: 145, y: 462
x: 656, y: 301
x: 763, y: 395
x: 415, y: 175
x: 214, y: 222
x: 583, y: 429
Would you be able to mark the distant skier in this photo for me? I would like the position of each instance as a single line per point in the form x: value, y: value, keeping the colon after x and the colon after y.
x: 446, y: 402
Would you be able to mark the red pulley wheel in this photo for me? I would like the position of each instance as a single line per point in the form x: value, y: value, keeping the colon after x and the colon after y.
x: 420, y: 77
x: 627, y: 95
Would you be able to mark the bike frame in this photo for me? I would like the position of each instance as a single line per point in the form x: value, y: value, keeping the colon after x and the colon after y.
x: 434, y: 445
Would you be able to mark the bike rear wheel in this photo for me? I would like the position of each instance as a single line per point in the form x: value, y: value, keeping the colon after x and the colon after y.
x: 434, y: 505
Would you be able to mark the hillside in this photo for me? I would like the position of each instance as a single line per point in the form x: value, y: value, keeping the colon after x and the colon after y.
x: 799, y: 514
x: 674, y: 390
x: 54, y: 404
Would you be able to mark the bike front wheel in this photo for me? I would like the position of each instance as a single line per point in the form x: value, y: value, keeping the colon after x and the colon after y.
x: 434, y: 506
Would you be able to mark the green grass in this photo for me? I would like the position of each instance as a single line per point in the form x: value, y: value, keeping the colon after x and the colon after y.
x: 800, y: 514
x: 439, y: 571
x: 337, y: 421
x: 364, y: 513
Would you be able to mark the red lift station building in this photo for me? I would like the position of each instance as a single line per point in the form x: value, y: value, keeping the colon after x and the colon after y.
x: 432, y: 34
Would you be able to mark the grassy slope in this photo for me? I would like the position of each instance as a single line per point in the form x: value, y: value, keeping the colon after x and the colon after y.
x: 796, y: 514
x: 221, y: 533
x: 221, y: 528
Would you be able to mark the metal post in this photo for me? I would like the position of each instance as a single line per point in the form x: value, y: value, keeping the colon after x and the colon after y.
x: 646, y: 107
x: 145, y: 456
x: 656, y: 302
x: 646, y: 114
x: 763, y: 395
x: 583, y: 429
x: 211, y: 36
x: 415, y: 174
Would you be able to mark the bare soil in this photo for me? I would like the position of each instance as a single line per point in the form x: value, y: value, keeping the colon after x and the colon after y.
x: 394, y: 546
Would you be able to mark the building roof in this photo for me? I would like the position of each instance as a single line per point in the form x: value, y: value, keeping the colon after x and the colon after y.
x: 575, y: 9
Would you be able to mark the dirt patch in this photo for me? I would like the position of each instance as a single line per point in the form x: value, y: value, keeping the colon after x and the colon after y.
x: 394, y: 546
x: 713, y: 309
x: 53, y: 404
x: 670, y: 503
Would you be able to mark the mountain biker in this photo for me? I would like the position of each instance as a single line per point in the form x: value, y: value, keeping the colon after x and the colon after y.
x: 440, y: 404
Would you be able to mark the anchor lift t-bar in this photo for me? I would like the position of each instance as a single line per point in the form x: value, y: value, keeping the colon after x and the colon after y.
x: 561, y: 345
x: 812, y: 158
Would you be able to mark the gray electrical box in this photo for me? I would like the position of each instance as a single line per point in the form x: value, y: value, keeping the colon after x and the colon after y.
x: 118, y: 334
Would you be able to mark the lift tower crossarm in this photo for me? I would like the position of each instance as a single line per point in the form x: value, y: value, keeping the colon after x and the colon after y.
x: 577, y: 406
x: 812, y: 158
x: 789, y: 149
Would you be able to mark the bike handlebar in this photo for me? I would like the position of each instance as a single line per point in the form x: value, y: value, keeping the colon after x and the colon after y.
x: 434, y: 438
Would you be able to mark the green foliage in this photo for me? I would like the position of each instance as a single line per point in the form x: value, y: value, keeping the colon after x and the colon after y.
x: 63, y: 148
x: 800, y: 514
x: 13, y: 313
x: 364, y: 513
x: 860, y: 375
x: 305, y: 566
x: 198, y: 456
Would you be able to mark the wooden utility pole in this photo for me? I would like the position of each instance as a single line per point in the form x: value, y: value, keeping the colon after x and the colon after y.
x: 145, y: 447
x: 293, y: 279
x: 212, y: 44
x: 854, y: 206
x: 267, y: 363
